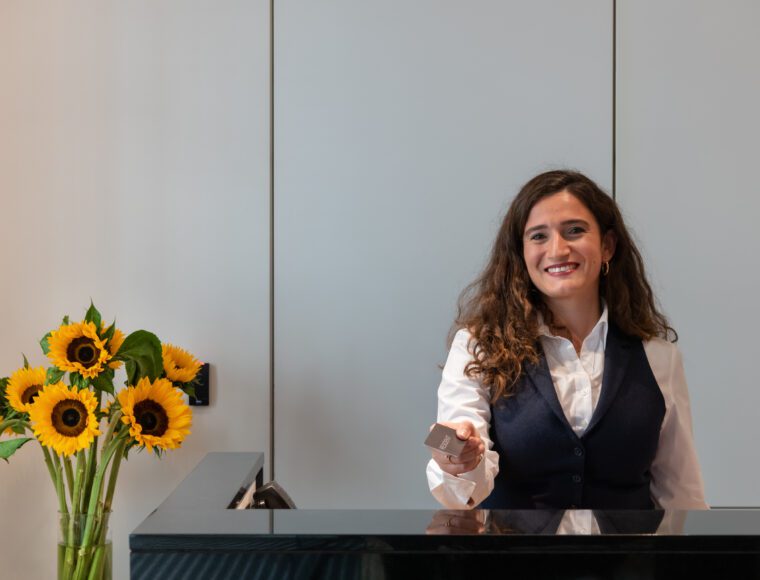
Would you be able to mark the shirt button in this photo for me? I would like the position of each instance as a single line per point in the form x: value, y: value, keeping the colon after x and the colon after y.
x: 578, y: 451
x: 577, y: 478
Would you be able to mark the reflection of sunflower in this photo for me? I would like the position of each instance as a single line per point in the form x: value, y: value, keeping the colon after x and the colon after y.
x: 180, y: 366
x: 156, y: 414
x: 77, y: 348
x: 64, y: 418
x: 114, y: 345
x: 23, y: 387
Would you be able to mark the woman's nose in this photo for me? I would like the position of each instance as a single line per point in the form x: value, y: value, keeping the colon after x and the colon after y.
x: 559, y: 246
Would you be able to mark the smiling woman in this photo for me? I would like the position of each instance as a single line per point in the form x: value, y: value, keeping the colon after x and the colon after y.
x: 561, y: 377
x: 564, y: 251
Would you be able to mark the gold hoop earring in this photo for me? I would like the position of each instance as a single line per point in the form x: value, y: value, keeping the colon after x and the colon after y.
x: 605, y: 268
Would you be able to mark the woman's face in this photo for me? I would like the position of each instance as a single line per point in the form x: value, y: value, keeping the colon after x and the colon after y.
x: 564, y: 249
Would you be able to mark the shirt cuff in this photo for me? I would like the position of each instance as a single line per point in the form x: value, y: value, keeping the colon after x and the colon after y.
x: 451, y: 492
x: 455, y: 492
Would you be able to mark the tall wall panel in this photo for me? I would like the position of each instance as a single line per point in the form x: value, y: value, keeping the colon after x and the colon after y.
x: 402, y: 131
x: 134, y: 169
x: 687, y: 150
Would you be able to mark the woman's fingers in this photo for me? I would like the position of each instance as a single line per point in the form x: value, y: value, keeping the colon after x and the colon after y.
x: 457, y: 465
x: 471, y: 454
x: 456, y: 522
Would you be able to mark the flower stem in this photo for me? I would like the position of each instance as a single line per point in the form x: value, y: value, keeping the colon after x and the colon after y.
x: 10, y: 423
x: 49, y: 463
x: 98, y: 560
x: 113, y: 476
x: 69, y: 478
x: 112, y: 428
x: 91, y: 465
x: 60, y: 490
x: 73, y: 533
x: 97, y: 486
x: 104, y: 509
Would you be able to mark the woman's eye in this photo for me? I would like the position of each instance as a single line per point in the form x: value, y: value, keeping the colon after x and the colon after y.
x: 575, y: 230
x: 537, y: 237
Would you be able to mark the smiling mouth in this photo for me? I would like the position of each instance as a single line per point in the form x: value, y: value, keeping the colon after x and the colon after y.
x: 561, y: 268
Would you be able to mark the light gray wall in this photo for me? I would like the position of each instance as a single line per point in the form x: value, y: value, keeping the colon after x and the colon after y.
x: 134, y: 156
x: 402, y: 131
x: 134, y: 145
x: 687, y: 95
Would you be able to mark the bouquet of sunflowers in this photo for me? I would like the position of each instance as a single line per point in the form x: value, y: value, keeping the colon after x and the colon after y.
x: 86, y: 428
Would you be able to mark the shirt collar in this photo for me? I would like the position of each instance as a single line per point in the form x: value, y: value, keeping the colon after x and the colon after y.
x: 598, y: 333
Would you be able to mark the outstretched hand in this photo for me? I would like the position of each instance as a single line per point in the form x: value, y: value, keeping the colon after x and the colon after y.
x: 471, y: 455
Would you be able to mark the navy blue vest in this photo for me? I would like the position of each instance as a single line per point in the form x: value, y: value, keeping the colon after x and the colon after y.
x: 544, y: 464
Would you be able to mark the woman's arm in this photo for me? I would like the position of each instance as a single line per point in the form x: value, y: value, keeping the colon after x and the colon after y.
x: 463, y: 399
x: 676, y: 477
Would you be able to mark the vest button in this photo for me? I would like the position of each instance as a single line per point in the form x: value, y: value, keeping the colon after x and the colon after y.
x: 578, y: 451
x: 577, y: 478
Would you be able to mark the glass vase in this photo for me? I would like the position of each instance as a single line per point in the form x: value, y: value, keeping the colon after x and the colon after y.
x: 84, y: 547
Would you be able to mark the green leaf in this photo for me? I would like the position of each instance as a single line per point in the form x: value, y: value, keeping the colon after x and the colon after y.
x: 141, y: 353
x: 104, y: 381
x: 65, y: 321
x: 93, y: 316
x: 44, y: 343
x: 26, y: 362
x: 189, y: 389
x: 53, y: 375
x: 78, y: 381
x: 131, y: 368
x: 108, y: 334
x: 8, y: 448
x: 18, y: 428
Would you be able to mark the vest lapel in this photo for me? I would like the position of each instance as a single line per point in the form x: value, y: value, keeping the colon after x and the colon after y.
x: 617, y: 355
x: 541, y: 378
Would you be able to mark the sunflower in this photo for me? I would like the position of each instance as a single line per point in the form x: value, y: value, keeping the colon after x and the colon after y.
x: 179, y: 365
x: 23, y: 387
x: 114, y: 345
x: 78, y: 348
x: 156, y: 414
x: 64, y: 418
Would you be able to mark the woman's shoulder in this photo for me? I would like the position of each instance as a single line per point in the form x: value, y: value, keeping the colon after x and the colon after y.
x: 462, y: 335
x: 463, y: 341
x: 660, y: 348
x: 663, y: 356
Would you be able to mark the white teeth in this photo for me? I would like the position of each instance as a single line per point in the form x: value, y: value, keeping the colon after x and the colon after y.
x: 556, y: 269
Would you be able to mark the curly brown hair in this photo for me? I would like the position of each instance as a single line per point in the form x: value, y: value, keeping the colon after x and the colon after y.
x: 500, y: 307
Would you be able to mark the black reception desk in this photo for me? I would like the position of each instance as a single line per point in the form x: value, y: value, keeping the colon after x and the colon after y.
x: 193, y: 534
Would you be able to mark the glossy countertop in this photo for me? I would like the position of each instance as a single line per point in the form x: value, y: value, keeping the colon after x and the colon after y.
x: 197, y: 516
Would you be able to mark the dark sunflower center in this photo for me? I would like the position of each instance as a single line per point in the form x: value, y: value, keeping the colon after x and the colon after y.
x: 30, y: 393
x: 69, y: 417
x: 83, y: 351
x: 152, y: 418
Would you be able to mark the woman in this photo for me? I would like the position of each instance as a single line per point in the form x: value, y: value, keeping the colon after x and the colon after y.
x: 561, y: 377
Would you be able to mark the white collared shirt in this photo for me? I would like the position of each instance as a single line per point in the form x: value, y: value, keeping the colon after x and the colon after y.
x: 676, y: 478
x: 577, y: 378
